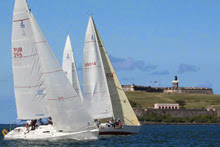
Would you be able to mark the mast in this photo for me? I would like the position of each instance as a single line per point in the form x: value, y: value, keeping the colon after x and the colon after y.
x: 95, y: 89
x: 69, y: 66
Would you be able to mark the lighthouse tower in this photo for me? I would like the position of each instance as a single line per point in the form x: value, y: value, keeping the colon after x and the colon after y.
x: 175, y: 83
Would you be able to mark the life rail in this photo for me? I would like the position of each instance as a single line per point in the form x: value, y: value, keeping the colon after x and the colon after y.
x: 4, y: 132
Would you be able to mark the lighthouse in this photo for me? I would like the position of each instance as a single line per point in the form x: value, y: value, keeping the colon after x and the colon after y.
x: 175, y: 83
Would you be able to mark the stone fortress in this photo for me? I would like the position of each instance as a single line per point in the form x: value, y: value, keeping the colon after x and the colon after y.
x: 174, y: 89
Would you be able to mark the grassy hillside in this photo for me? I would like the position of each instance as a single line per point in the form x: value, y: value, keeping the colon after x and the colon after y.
x: 147, y: 99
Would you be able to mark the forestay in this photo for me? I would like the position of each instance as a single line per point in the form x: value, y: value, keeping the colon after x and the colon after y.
x: 95, y: 90
x: 69, y: 66
x: 29, y: 85
x: 121, y: 106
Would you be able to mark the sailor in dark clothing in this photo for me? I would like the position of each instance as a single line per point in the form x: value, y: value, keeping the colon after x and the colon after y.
x: 50, y: 121
x: 40, y: 122
x: 33, y: 122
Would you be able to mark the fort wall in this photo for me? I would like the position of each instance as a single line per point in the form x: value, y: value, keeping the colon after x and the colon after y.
x: 177, y: 112
x: 196, y: 90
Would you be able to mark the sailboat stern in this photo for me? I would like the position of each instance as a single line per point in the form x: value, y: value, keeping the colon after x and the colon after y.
x: 125, y: 130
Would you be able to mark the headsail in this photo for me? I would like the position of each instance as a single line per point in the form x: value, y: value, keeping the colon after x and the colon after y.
x: 29, y: 85
x: 95, y: 89
x: 65, y: 106
x: 121, y: 106
x: 69, y: 67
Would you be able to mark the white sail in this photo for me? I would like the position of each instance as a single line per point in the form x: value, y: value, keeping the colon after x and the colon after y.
x: 65, y: 106
x: 121, y: 106
x: 95, y: 89
x: 29, y: 85
x: 69, y: 67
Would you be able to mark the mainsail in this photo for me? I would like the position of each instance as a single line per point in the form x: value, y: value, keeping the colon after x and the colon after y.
x: 95, y: 88
x: 29, y: 83
x: 69, y: 67
x: 121, y: 106
x: 64, y: 105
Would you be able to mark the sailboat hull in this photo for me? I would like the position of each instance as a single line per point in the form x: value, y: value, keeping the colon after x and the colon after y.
x: 126, y: 130
x: 49, y: 133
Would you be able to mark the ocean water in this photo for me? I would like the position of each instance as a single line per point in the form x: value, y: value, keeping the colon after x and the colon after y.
x: 150, y: 135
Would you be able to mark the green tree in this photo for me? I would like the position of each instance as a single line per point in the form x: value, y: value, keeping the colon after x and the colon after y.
x: 181, y: 103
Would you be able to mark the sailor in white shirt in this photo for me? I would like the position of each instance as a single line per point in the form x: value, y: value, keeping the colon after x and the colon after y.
x: 28, y: 124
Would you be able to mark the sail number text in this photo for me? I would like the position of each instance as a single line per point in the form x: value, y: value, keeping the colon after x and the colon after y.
x: 18, y: 52
x: 90, y: 64
x: 109, y: 75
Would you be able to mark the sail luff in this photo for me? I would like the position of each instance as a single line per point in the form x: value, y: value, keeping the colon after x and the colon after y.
x: 95, y: 90
x: 69, y: 66
x: 121, y: 106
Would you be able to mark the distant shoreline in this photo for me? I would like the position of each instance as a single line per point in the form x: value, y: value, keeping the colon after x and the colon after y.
x: 170, y: 123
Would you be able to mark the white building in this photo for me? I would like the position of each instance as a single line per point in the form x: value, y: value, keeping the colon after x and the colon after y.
x: 166, y: 106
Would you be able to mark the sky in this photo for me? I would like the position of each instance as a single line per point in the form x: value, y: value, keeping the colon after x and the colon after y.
x: 147, y: 40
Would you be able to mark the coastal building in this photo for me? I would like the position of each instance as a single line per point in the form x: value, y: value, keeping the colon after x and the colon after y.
x: 174, y: 89
x: 128, y: 87
x: 196, y: 90
x: 166, y: 106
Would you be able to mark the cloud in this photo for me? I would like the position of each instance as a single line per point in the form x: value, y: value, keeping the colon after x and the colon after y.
x: 144, y: 67
x: 131, y: 64
x: 128, y: 79
x: 187, y: 68
x: 206, y: 84
x: 161, y: 73
x: 123, y: 64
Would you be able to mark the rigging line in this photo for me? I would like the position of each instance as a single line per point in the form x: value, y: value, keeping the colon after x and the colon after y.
x: 129, y: 120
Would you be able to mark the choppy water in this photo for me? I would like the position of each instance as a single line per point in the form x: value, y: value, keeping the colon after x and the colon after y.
x: 150, y: 135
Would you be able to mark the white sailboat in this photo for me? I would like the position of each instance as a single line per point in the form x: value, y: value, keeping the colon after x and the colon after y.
x: 41, y: 87
x: 102, y: 91
x: 69, y: 66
